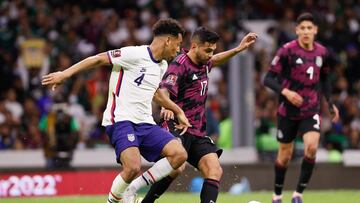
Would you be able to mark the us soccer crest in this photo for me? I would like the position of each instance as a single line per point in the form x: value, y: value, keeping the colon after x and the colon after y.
x: 319, y: 61
x: 131, y: 137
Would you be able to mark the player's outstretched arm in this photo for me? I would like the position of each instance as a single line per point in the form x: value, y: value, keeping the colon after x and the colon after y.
x: 56, y: 78
x: 162, y: 98
x: 222, y: 57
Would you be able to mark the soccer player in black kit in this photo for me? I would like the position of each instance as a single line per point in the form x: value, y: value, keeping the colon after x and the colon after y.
x: 299, y: 74
x: 186, y: 81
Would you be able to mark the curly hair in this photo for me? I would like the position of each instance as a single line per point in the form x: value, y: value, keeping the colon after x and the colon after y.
x: 168, y: 26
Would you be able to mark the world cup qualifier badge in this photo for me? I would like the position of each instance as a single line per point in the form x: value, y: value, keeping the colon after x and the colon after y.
x: 171, y: 79
x: 116, y: 53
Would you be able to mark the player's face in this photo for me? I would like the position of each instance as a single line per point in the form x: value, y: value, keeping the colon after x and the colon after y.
x: 306, y: 32
x: 172, y: 47
x: 204, y: 51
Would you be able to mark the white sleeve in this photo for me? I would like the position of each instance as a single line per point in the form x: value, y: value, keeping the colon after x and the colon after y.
x: 125, y: 57
x: 163, y: 70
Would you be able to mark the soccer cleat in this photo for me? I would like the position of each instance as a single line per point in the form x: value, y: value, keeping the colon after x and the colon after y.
x: 297, y: 199
x: 129, y: 198
x: 138, y: 199
x: 132, y: 199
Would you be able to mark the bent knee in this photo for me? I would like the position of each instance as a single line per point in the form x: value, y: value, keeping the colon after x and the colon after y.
x: 310, y: 151
x: 131, y: 171
x: 178, y: 153
x: 214, y: 173
x: 181, y: 155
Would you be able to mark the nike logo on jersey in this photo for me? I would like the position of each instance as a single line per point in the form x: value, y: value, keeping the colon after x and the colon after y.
x: 195, y: 77
x: 299, y: 61
x: 142, y: 70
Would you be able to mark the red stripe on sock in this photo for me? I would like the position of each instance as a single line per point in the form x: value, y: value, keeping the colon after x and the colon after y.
x: 309, y: 160
x: 115, y: 197
x: 152, y: 177
x: 213, y: 182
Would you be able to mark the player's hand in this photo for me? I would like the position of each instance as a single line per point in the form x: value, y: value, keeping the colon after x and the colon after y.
x: 53, y: 79
x: 334, y: 113
x: 293, y: 97
x: 247, y: 41
x: 183, y: 123
x: 166, y: 114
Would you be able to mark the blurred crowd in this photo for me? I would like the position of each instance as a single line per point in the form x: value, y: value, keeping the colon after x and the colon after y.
x: 42, y: 36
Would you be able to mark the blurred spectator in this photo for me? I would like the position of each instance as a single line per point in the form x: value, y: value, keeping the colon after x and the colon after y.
x: 60, y: 130
x: 212, y: 125
x: 75, y: 30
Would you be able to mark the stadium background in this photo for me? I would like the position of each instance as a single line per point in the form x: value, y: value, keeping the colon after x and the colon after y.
x: 41, y: 130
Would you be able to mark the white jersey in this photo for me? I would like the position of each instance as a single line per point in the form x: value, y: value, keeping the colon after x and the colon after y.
x: 135, y: 77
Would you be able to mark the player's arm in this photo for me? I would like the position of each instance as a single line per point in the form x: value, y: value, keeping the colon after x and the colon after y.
x: 271, y: 80
x: 164, y: 113
x: 326, y: 90
x: 162, y: 98
x: 222, y: 57
x: 57, y: 78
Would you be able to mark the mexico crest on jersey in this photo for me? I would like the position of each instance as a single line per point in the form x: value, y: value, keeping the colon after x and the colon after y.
x: 319, y: 61
x: 116, y: 53
x: 131, y: 137
x: 171, y: 79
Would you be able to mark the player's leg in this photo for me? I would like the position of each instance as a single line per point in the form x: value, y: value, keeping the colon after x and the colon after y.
x: 280, y: 167
x: 310, y: 129
x: 122, y: 137
x: 158, y: 143
x: 158, y: 188
x: 287, y: 130
x: 211, y: 170
x: 311, y: 141
x: 204, y: 155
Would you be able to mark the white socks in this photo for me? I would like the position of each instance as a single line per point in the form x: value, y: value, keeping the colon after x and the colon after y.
x: 276, y: 197
x: 159, y: 170
x: 296, y: 194
x: 117, y: 188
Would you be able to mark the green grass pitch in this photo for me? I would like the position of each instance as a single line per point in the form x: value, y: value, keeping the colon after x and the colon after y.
x: 336, y: 196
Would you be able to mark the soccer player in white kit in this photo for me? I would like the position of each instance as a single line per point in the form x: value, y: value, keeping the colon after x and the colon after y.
x: 134, y: 81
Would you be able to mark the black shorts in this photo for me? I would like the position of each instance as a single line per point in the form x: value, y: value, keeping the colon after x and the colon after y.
x: 196, y: 146
x: 288, y: 129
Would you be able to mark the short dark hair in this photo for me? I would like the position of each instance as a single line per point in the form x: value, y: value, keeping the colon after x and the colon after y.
x: 205, y: 35
x: 168, y: 26
x: 305, y: 17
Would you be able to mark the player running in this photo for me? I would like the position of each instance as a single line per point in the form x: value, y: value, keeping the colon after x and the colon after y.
x: 134, y: 81
x: 298, y: 73
x: 186, y: 82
